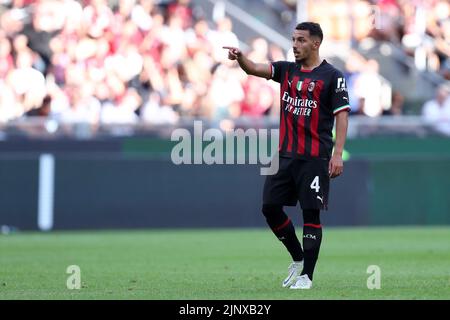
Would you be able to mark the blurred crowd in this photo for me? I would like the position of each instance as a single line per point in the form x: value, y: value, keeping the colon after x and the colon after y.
x: 420, y: 27
x: 125, y: 61
x: 423, y: 29
x: 90, y: 61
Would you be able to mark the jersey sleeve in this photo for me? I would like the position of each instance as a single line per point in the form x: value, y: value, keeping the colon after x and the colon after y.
x: 278, y: 69
x: 339, y: 96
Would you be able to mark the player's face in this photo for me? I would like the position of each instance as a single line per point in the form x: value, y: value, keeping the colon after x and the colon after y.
x: 303, y: 45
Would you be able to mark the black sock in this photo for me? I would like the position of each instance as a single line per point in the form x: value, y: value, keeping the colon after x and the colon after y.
x: 312, y: 238
x: 283, y: 229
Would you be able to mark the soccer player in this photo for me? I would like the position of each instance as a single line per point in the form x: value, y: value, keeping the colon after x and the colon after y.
x: 313, y: 94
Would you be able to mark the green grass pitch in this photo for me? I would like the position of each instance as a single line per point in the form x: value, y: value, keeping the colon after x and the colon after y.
x: 223, y: 264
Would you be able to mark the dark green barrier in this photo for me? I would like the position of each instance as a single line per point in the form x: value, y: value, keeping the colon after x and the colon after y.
x: 365, y: 148
x: 106, y: 191
x: 399, y: 148
x: 410, y: 192
x: 131, y: 183
x: 19, y: 192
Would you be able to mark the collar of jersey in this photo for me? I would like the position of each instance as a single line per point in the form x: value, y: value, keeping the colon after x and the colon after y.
x: 309, y: 71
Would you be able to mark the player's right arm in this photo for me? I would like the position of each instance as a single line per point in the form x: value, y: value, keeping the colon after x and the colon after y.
x: 262, y: 70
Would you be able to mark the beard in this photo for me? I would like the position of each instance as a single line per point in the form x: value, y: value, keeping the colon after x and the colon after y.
x: 300, y: 57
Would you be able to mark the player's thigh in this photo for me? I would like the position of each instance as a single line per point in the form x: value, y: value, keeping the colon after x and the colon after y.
x: 313, y: 184
x: 280, y: 188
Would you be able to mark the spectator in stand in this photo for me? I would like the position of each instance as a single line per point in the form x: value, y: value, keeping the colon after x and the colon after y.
x: 45, y: 24
x: 368, y: 85
x: 84, y: 106
x: 354, y: 66
x: 258, y: 93
x: 6, y: 57
x: 397, y: 105
x: 124, y: 111
x: 437, y: 111
x: 183, y: 10
x: 225, y: 93
x: 155, y: 112
x: 27, y: 83
x: 223, y: 36
x: 43, y: 110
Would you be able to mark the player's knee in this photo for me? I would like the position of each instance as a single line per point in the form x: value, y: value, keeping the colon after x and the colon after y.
x: 311, y: 216
x: 271, y: 210
x: 274, y: 215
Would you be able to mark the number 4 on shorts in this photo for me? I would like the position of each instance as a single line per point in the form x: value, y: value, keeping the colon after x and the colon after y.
x: 315, y: 184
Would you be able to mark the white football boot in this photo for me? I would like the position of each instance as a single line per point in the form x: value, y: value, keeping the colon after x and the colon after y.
x: 293, y: 271
x: 302, y: 282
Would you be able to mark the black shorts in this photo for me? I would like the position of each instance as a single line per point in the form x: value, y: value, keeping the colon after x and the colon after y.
x: 306, y: 181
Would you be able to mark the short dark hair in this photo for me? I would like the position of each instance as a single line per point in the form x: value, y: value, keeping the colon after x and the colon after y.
x: 313, y: 28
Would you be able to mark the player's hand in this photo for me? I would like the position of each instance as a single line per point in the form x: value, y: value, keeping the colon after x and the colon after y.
x: 233, y: 53
x: 335, y: 166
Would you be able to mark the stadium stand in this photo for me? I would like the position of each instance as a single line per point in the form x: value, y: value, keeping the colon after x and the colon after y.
x: 129, y: 61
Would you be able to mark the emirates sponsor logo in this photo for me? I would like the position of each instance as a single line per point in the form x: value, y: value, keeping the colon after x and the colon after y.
x: 296, y: 102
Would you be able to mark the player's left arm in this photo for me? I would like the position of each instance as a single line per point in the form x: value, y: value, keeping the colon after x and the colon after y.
x: 341, y: 108
x: 336, y: 164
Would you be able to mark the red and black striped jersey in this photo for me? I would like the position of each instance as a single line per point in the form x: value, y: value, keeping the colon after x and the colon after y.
x: 309, y: 101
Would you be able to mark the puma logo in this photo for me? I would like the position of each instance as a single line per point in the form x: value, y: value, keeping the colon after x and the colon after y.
x: 321, y: 200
